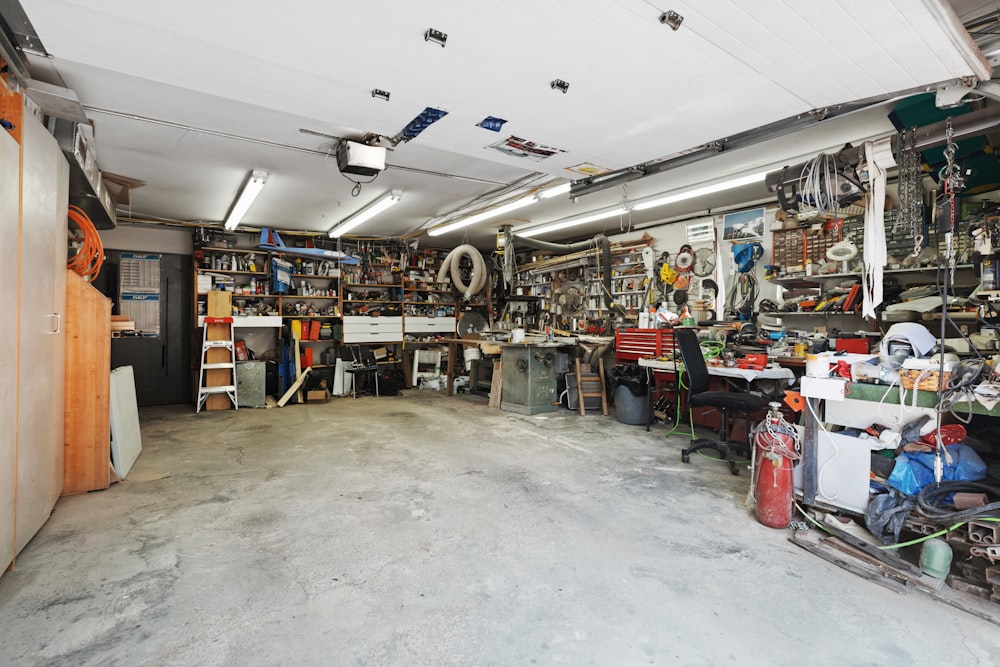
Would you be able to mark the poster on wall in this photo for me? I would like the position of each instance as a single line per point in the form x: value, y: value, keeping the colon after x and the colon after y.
x: 743, y: 225
x: 139, y: 291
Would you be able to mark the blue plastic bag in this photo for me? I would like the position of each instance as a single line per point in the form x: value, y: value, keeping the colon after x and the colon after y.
x: 915, y: 471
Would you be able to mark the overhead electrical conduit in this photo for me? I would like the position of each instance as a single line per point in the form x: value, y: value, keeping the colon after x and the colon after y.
x: 598, y: 241
x: 451, y: 265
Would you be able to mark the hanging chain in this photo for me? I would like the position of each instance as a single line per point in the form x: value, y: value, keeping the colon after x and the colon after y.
x: 954, y: 181
x: 910, y: 190
x: 952, y: 172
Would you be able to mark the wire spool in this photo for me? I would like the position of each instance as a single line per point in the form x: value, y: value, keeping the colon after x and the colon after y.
x: 451, y: 264
x: 681, y: 282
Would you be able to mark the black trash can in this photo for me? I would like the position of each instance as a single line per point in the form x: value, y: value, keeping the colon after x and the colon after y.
x: 631, y: 394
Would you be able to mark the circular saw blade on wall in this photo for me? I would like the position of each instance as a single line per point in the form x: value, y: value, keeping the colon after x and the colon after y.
x: 684, y: 260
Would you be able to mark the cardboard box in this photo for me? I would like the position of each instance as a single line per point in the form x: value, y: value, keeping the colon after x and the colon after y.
x: 220, y: 304
x: 317, y: 396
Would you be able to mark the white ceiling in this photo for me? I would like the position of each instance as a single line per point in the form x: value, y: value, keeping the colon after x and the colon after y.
x: 252, y: 73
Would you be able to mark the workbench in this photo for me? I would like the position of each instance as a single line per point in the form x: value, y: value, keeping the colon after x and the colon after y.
x: 725, y: 373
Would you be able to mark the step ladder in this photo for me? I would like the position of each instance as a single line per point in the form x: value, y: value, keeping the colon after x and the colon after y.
x: 591, y: 385
x: 426, y: 364
x: 218, y: 362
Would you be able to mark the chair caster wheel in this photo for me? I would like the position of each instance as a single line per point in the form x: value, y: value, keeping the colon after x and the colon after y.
x: 685, y: 458
x: 733, y: 468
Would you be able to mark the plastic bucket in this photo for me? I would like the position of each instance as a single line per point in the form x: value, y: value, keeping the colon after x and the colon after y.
x: 631, y: 409
x: 471, y: 354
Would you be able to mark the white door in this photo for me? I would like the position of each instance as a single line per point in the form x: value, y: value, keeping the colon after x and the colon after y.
x: 45, y: 187
x: 9, y: 186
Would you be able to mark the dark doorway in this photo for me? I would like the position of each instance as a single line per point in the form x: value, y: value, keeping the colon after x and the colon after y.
x: 161, y: 363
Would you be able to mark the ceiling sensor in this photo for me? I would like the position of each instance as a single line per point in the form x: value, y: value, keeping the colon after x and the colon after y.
x: 560, y: 85
x: 672, y: 19
x: 436, y: 36
x: 381, y: 94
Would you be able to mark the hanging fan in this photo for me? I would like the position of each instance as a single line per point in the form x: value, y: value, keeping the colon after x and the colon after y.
x: 704, y: 262
x: 571, y: 298
x: 471, y: 322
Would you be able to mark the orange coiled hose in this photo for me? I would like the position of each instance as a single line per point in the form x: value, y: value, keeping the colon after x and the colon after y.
x: 90, y: 256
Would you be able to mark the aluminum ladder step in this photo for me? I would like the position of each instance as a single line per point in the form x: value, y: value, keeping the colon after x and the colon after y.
x: 219, y: 389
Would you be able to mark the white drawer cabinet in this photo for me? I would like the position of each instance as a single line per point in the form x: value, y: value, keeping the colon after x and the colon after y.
x: 372, y: 329
x: 429, y: 325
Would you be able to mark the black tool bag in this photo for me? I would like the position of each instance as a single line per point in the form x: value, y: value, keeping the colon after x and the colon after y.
x: 390, y: 382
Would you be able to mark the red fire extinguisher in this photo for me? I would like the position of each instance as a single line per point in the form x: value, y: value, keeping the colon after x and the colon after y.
x: 776, y: 450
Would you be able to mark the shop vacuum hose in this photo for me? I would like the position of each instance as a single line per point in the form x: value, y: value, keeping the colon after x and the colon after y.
x: 451, y: 265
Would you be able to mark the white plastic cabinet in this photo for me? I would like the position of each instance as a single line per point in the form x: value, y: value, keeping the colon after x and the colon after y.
x: 41, y: 372
x: 9, y: 184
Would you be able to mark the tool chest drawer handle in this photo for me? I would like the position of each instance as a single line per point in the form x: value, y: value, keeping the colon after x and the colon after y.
x: 58, y: 319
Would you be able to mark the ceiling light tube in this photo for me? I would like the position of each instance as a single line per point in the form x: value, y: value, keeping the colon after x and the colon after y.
x: 479, y: 217
x: 572, y: 222
x: 251, y: 188
x: 548, y: 193
x: 702, y: 191
x: 367, y: 213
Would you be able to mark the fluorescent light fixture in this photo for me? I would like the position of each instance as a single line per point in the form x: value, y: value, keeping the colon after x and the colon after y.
x: 563, y: 224
x: 479, y: 217
x: 548, y: 193
x: 701, y: 192
x: 367, y: 213
x: 251, y: 188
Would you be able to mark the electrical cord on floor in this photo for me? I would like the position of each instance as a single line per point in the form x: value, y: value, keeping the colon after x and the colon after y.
x: 898, y: 545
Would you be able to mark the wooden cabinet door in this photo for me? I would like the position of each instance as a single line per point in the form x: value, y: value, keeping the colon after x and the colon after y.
x: 44, y: 199
x: 87, y: 440
x: 9, y: 187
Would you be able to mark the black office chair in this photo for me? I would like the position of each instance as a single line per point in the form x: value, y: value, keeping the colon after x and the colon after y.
x: 724, y: 401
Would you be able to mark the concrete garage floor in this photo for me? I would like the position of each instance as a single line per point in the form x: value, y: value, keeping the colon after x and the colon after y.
x: 425, y: 530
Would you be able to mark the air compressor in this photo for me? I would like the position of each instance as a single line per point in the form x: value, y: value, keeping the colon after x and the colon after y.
x: 776, y: 450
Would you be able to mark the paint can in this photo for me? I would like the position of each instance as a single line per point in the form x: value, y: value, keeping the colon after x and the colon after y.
x: 517, y: 336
